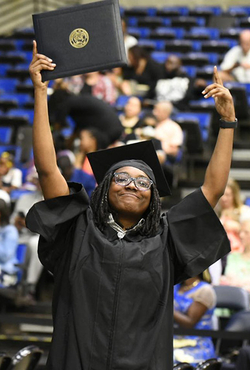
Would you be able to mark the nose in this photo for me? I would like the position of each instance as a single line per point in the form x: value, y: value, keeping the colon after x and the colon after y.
x: 131, y: 184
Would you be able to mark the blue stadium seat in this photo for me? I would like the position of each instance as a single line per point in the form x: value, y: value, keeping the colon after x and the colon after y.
x: 8, y: 148
x: 8, y: 85
x: 140, y: 11
x: 243, y: 22
x: 132, y: 22
x: 180, y: 10
x: 139, y: 32
x: 27, y: 113
x: 195, y: 58
x: 215, y: 10
x: 5, y: 134
x: 190, y: 70
x: 3, y: 70
x: 20, y: 72
x: 7, y: 45
x: 215, y: 46
x: 205, y: 72
x: 185, y: 22
x: 181, y: 46
x: 164, y: 33
x: 21, y: 257
x: 161, y: 56
x: 211, y: 33
x: 151, y: 22
x: 20, y: 98
x: 152, y: 45
x: 13, y: 57
x: 204, y: 120
x: 237, y: 11
x: 231, y: 33
x: 121, y: 101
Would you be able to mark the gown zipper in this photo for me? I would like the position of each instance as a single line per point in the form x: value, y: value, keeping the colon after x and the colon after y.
x: 115, y: 307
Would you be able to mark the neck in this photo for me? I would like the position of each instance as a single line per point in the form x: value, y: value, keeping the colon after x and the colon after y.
x: 127, y: 222
x: 190, y: 283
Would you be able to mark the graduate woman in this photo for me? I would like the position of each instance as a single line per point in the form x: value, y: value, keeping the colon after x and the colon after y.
x: 115, y: 259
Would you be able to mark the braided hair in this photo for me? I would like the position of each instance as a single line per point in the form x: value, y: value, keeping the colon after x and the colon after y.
x: 101, y: 208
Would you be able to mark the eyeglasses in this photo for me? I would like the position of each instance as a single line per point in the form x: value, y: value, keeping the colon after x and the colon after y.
x: 142, y: 183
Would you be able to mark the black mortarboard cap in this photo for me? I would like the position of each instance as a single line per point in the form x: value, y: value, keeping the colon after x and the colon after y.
x: 102, y: 160
x: 81, y: 38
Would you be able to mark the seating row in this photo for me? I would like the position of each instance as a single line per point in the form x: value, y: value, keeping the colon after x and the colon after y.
x: 242, y: 11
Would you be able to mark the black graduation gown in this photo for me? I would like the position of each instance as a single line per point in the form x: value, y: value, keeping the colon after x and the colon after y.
x: 113, y: 298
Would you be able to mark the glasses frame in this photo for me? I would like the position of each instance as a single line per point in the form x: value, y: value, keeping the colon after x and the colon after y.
x: 134, y: 179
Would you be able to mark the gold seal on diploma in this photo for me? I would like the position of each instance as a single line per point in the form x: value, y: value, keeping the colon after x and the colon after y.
x: 79, y: 38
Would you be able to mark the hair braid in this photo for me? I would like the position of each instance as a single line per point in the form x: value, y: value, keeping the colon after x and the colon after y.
x: 99, y: 202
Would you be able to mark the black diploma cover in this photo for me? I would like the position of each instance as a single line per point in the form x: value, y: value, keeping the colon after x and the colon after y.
x: 80, y: 39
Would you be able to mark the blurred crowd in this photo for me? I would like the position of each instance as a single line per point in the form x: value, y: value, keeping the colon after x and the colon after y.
x: 98, y: 110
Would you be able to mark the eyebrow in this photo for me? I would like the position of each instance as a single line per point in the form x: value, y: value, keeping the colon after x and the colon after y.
x: 145, y: 176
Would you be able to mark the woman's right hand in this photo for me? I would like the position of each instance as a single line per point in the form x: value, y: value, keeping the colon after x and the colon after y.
x: 38, y: 63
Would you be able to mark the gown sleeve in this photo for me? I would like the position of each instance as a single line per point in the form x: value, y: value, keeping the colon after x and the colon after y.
x: 54, y: 220
x: 196, y: 236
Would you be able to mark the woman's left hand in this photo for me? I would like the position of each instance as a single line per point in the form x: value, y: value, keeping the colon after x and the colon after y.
x: 224, y: 103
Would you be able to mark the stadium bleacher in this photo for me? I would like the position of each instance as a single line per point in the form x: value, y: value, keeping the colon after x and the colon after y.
x: 186, y: 32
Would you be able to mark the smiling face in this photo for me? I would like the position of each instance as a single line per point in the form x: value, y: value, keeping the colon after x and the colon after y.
x: 127, y: 201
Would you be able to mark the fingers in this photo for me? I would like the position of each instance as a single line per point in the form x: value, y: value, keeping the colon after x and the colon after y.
x: 213, y: 89
x: 37, y: 56
x: 216, y: 77
x: 34, y: 48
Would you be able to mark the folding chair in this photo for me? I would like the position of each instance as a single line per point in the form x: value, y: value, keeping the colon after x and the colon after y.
x: 27, y: 358
x: 5, y: 361
x: 183, y: 366
x: 232, y: 300
x: 211, y: 364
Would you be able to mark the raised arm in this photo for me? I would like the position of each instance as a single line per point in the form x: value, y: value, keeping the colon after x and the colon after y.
x: 217, y: 172
x: 52, y: 182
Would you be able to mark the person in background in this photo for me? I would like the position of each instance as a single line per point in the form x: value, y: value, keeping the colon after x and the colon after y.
x: 237, y: 270
x: 91, y: 140
x: 232, y: 212
x: 100, y: 86
x: 145, y: 130
x: 129, y: 40
x: 17, y: 218
x: 174, y: 84
x: 8, y: 248
x: 10, y: 177
x: 194, y: 303
x: 236, y: 63
x: 5, y: 196
x: 66, y: 163
x: 131, y: 115
x: 167, y: 131
x: 142, y: 70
